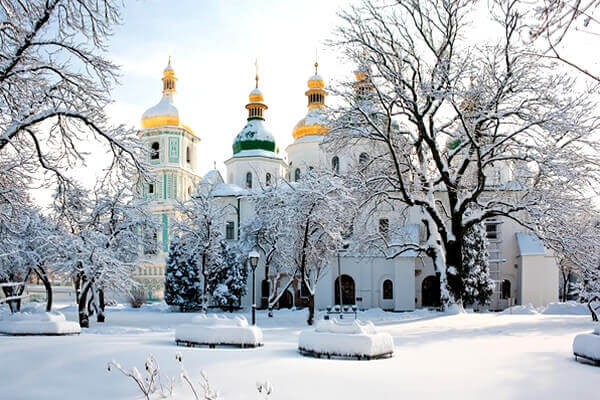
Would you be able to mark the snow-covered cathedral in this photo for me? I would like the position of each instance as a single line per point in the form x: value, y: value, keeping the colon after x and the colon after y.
x: 524, y: 271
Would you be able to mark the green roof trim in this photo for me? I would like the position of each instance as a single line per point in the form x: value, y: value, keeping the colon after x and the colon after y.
x: 253, y: 145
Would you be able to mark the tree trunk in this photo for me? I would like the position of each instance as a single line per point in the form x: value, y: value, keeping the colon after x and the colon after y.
x: 100, y: 317
x: 456, y: 284
x: 565, y: 284
x: 84, y: 320
x: 311, y: 309
x: 204, y: 284
x: 41, y: 273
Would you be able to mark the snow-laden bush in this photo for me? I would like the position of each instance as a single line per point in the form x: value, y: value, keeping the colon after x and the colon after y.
x: 219, y: 330
x: 37, y: 323
x: 587, y: 345
x: 355, y: 339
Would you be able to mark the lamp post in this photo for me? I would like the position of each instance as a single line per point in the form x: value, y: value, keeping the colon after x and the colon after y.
x: 253, y: 257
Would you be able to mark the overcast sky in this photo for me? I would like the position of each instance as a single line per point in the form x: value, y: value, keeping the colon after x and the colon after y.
x: 214, y: 45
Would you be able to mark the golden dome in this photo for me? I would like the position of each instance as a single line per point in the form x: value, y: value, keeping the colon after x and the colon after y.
x: 164, y: 113
x: 314, y: 124
x: 256, y: 96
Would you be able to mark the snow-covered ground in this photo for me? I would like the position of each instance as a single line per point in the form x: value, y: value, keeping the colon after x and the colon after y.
x: 465, y: 356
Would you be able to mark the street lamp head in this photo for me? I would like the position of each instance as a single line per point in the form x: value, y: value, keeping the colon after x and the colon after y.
x: 253, y: 256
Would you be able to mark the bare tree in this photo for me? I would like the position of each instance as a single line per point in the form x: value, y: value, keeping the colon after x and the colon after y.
x: 313, y: 214
x: 55, y: 82
x: 467, y: 129
x: 106, y: 243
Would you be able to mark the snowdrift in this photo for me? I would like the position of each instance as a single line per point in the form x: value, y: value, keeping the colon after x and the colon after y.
x: 587, y: 345
x: 355, y: 339
x: 37, y: 323
x: 568, y: 308
x: 527, y: 309
x: 218, y: 330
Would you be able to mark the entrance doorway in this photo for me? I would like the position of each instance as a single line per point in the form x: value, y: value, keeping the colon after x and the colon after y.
x: 430, y: 291
x: 348, y: 290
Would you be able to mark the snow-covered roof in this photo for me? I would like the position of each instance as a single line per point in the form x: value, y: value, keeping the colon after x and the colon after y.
x: 228, y: 189
x: 212, y: 177
x: 165, y: 107
x: 529, y: 244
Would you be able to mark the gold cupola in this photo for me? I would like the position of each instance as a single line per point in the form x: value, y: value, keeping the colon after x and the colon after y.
x: 314, y: 124
x: 256, y: 106
x: 164, y: 113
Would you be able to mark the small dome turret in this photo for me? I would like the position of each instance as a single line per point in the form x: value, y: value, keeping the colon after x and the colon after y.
x: 164, y: 113
x: 315, y: 121
x: 255, y: 136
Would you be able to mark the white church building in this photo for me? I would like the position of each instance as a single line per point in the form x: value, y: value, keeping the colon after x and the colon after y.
x: 524, y: 271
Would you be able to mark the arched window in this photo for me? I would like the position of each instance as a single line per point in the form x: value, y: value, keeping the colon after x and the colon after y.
x: 189, y: 190
x: 335, y: 164
x: 268, y: 179
x: 363, y: 159
x: 249, y: 180
x: 188, y: 154
x: 505, y: 289
x: 297, y: 175
x: 155, y: 151
x: 388, y: 289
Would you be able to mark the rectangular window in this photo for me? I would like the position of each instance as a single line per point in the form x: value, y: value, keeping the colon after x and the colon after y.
x: 384, y: 227
x: 230, y: 230
x: 173, y: 149
x: 491, y: 231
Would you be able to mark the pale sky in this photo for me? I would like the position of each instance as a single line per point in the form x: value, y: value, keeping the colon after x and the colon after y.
x: 214, y: 45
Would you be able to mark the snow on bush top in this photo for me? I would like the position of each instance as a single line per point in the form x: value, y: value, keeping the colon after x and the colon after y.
x: 355, y: 326
x: 220, y: 320
x: 53, y: 316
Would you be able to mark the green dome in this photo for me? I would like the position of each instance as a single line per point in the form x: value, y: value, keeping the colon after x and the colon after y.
x: 254, y: 136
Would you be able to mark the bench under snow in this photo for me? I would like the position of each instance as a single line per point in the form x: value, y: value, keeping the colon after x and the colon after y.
x: 349, y: 339
x: 587, y: 345
x: 38, y: 323
x: 218, y: 330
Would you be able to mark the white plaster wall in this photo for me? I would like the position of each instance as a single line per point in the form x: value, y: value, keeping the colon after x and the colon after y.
x: 539, y: 280
x: 237, y: 168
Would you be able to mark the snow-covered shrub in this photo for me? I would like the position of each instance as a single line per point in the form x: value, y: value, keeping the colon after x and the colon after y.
x: 587, y: 345
x: 346, y: 339
x: 219, y: 330
x: 34, y: 320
